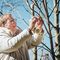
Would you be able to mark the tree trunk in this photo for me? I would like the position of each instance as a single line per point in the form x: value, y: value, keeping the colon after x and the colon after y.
x: 57, y: 41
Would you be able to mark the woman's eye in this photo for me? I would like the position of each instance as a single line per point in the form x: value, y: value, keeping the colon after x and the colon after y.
x: 11, y: 20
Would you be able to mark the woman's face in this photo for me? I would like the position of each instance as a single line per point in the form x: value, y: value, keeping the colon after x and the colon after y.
x: 10, y: 23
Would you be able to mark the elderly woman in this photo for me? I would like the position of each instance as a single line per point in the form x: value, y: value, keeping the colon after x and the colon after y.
x: 14, y: 43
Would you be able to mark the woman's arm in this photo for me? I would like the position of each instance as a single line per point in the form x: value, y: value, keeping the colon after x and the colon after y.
x: 7, y: 42
x: 36, y: 40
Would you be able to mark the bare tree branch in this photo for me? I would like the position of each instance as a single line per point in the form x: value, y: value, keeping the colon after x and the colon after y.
x: 50, y: 34
x: 46, y: 46
x: 26, y: 9
x: 31, y: 8
x: 54, y: 8
x: 25, y: 22
x: 48, y: 16
x: 1, y: 13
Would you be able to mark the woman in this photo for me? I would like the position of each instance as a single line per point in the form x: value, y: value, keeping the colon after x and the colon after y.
x: 14, y: 43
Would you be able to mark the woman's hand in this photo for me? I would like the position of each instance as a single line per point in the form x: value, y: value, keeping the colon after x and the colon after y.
x: 32, y: 23
x: 39, y: 24
x: 36, y: 23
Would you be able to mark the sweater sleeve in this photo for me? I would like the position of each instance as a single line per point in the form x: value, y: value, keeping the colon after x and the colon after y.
x: 35, y: 40
x: 7, y: 43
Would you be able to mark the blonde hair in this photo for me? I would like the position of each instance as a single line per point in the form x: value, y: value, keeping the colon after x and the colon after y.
x: 4, y: 18
x: 1, y: 21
